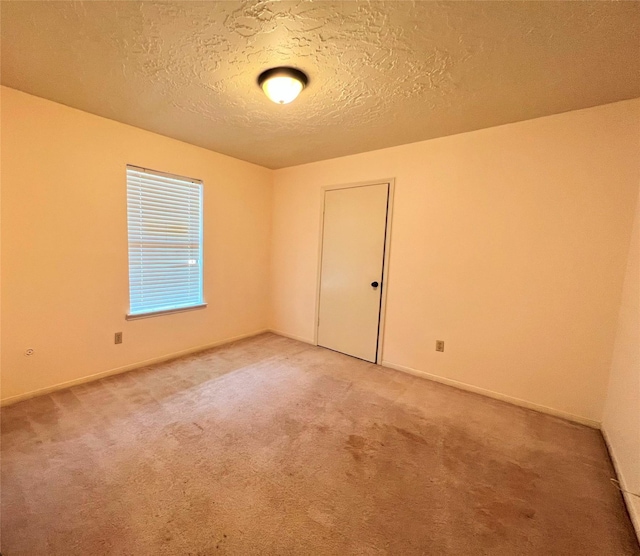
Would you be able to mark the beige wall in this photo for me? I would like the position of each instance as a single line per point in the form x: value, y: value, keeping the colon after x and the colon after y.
x: 64, y: 245
x: 508, y: 243
x: 621, y: 423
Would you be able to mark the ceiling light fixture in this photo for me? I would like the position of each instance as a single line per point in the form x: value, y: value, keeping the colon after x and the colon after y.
x: 282, y: 85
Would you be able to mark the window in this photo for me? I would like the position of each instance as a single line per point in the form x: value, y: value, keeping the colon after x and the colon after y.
x: 165, y: 242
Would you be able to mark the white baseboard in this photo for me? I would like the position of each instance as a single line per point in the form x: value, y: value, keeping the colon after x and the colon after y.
x: 495, y: 395
x: 423, y: 374
x: 90, y: 378
x: 633, y: 505
x: 292, y: 336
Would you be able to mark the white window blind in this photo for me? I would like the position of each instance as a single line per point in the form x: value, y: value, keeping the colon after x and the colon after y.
x: 165, y: 241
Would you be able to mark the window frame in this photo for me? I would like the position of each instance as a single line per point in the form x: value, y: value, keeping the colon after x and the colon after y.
x: 202, y: 304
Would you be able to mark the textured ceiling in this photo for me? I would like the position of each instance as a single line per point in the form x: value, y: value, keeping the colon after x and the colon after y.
x: 381, y: 73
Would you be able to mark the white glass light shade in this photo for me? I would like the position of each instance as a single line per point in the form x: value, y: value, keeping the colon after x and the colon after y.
x: 282, y: 89
x: 282, y: 85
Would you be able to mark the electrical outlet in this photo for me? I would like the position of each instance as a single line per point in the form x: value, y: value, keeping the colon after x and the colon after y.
x: 439, y: 345
x: 118, y: 338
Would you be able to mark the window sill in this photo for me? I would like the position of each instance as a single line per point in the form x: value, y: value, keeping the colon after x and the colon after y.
x: 167, y: 312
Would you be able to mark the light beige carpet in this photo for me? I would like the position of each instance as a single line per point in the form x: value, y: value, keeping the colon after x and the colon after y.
x: 271, y: 446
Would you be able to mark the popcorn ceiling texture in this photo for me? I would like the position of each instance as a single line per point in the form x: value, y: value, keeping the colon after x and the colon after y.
x: 381, y: 73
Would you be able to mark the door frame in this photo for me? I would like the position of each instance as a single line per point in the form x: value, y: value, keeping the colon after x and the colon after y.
x: 385, y: 263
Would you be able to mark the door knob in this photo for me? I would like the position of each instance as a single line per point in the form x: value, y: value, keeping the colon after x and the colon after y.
x: 374, y: 284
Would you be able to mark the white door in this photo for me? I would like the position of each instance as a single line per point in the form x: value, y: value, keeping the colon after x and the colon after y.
x: 353, y: 243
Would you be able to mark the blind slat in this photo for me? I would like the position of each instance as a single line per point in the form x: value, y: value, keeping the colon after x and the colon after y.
x: 165, y: 213
x: 177, y: 206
